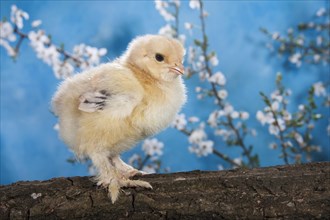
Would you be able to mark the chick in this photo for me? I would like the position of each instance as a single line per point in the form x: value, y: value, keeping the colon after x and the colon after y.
x: 110, y: 108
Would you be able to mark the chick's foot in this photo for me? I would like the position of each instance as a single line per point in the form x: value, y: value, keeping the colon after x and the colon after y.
x: 115, y: 183
x: 125, y: 169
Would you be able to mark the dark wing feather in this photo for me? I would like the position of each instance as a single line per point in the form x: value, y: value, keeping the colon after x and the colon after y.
x: 94, y: 101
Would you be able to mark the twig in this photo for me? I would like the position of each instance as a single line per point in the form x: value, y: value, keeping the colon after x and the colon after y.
x: 145, y: 160
x: 214, y: 90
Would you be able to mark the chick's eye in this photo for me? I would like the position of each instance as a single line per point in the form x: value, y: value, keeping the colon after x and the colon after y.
x: 159, y: 57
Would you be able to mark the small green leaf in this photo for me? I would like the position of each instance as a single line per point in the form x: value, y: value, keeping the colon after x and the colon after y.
x: 264, y: 30
x: 197, y: 43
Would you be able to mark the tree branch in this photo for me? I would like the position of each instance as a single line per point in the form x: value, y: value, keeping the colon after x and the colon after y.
x: 281, y: 192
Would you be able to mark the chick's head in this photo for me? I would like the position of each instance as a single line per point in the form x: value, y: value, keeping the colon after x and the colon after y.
x: 159, y: 56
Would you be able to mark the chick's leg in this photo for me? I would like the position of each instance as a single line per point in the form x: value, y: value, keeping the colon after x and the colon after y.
x: 126, y: 170
x: 113, y: 178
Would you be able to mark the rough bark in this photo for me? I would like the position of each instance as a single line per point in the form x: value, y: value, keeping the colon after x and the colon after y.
x: 281, y: 192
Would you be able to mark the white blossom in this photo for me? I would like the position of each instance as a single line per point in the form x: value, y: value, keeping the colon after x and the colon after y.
x: 176, y: 2
x: 273, y: 146
x: 63, y: 70
x: 317, y: 58
x: 56, y: 127
x: 167, y: 31
x: 319, y: 40
x: 238, y: 161
x: 10, y: 50
x: 162, y: 6
x: 198, y: 89
x: 213, y: 119
x: 288, y: 92
x: 301, y: 107
x: 239, y: 125
x: 191, y: 54
x: 281, y: 124
x: 311, y: 125
x: 180, y: 121
x: 254, y: 132
x: 38, y: 40
x: 321, y: 12
x: 319, y: 89
x: 222, y: 94
x: 275, y: 35
x: 228, y: 109
x: 218, y: 78
x: 149, y: 169
x: 206, y: 147
x: 102, y: 52
x: 200, y: 96
x: 328, y: 130
x: 202, y: 148
x: 193, y: 119
x: 276, y: 96
x: 265, y: 118
x: 225, y: 134
x: 153, y: 147
x: 220, y: 167
x: 234, y: 114
x: 182, y: 39
x: 7, y: 31
x: 287, y: 116
x: 299, y: 139
x: 94, y: 54
x: 275, y: 106
x: 205, y: 14
x: 50, y: 55
x: 194, y: 4
x: 316, y: 148
x: 311, y: 24
x: 197, y: 136
x: 188, y: 25
x: 36, y: 23
x: 202, y: 75
x: 87, y: 55
x: 288, y: 144
x: 214, y: 60
x: 296, y: 59
x: 134, y: 158
x: 275, y: 129
x: 17, y: 16
x: 244, y: 115
x: 300, y: 41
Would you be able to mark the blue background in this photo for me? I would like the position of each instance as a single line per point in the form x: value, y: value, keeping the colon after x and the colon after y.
x: 30, y: 148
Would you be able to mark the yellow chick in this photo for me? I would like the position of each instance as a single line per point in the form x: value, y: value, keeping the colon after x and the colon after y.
x: 110, y: 108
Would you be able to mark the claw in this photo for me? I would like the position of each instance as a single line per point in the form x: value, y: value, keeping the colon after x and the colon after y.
x: 113, y: 190
x: 137, y: 183
x: 137, y: 173
x: 115, y: 185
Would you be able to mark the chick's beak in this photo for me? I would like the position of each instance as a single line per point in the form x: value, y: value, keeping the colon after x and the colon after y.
x: 177, y: 69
